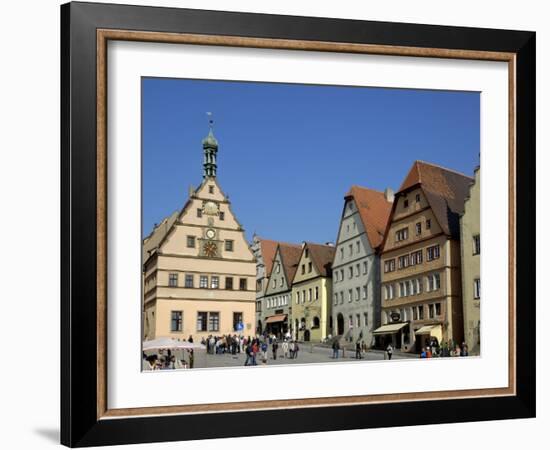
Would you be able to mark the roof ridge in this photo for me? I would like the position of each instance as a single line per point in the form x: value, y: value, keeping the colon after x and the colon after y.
x: 439, y: 167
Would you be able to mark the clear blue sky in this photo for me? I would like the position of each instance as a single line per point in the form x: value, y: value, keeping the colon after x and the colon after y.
x: 288, y: 153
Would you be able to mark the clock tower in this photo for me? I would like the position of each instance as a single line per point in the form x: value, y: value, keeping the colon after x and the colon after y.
x: 199, y: 271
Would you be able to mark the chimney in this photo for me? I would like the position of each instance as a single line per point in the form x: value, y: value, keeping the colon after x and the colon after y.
x: 388, y: 194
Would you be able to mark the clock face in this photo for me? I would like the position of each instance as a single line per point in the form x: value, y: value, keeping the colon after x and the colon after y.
x: 210, y: 233
x: 210, y: 249
x: 210, y: 208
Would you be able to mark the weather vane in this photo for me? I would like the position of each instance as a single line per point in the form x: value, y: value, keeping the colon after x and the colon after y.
x: 210, y: 119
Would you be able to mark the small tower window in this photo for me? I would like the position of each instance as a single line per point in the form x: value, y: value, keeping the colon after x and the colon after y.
x: 210, y: 189
x: 222, y: 215
x: 199, y: 212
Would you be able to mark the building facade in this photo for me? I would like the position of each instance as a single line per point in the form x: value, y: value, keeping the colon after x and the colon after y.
x: 420, y: 261
x: 311, y: 318
x: 264, y: 251
x: 470, y: 240
x: 355, y: 268
x: 277, y: 302
x: 199, y: 273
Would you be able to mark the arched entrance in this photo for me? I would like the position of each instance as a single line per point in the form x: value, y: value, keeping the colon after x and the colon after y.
x: 340, y: 324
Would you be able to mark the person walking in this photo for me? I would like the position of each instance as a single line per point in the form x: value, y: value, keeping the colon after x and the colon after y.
x: 274, y: 348
x: 285, y: 349
x: 264, y: 352
x: 358, y: 350
x: 389, y: 351
x: 191, y: 358
x: 291, y: 348
x: 335, y: 348
x: 296, y: 349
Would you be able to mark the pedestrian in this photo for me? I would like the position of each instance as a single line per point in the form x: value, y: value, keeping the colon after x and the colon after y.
x: 248, y: 352
x: 264, y: 352
x: 150, y: 363
x: 358, y: 350
x: 285, y: 349
x: 274, y: 348
x: 190, y: 339
x: 423, y: 353
x: 296, y: 349
x: 389, y: 351
x: 291, y: 348
x: 363, y: 346
x: 191, y: 358
x: 335, y: 349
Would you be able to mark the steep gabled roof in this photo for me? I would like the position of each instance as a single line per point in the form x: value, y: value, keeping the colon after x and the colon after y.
x: 445, y: 191
x: 268, y: 249
x: 374, y: 211
x: 151, y: 242
x: 290, y: 255
x: 322, y: 257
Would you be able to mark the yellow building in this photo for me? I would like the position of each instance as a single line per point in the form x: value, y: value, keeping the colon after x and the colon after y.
x: 312, y: 292
x: 471, y: 280
x: 420, y: 261
x: 199, y: 272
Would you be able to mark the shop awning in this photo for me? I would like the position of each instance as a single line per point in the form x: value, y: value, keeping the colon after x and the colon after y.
x: 276, y: 318
x: 432, y: 330
x: 391, y: 328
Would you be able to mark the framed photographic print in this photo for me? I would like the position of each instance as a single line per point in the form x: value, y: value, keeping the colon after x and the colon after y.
x: 270, y: 217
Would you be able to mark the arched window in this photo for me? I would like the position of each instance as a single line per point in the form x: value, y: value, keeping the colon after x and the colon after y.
x: 316, y: 322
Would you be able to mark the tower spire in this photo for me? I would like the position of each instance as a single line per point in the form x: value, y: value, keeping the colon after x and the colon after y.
x: 210, y: 149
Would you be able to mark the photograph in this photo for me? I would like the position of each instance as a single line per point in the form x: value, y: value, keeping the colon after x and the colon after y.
x: 291, y: 224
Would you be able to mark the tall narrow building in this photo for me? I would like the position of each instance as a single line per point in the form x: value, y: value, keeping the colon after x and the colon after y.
x: 311, y: 318
x: 199, y: 273
x: 356, y: 268
x: 470, y: 243
x: 421, y: 272
x: 264, y: 251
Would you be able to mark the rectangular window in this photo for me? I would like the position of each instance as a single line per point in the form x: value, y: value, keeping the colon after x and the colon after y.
x: 365, y: 267
x: 365, y: 319
x: 415, y: 313
x: 403, y: 262
x: 202, y: 321
x: 309, y: 296
x: 350, y: 295
x: 229, y: 283
x: 199, y: 212
x: 417, y: 198
x: 190, y: 241
x: 421, y: 312
x: 477, y: 288
x: 428, y: 224
x: 173, y: 280
x: 176, y: 321
x: 357, y: 270
x: 437, y: 281
x: 341, y: 253
x: 189, y: 279
x: 203, y: 283
x: 242, y: 284
x: 365, y: 292
x: 418, y: 229
x: 432, y: 253
x: 303, y: 269
x: 357, y: 247
x: 309, y: 267
x: 222, y: 215
x: 438, y: 309
x: 402, y: 234
x: 357, y: 293
x: 237, y: 321
x: 298, y: 297
x: 358, y: 320
x: 274, y: 283
x: 350, y: 249
x: 307, y: 253
x: 316, y: 292
x: 303, y: 296
x: 405, y: 203
x: 351, y: 271
x: 336, y: 298
x: 214, y: 282
x: 228, y: 245
x: 477, y: 244
x: 431, y: 311
x: 341, y: 297
x: 210, y: 189
x: 214, y: 321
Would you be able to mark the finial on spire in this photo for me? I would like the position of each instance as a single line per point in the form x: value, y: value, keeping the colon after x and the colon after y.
x: 210, y: 147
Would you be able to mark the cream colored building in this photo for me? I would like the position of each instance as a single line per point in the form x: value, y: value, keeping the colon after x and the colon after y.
x: 471, y: 280
x: 421, y: 263
x: 311, y: 318
x: 199, y: 273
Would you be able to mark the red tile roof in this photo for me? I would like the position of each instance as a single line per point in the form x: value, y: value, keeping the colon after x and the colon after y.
x: 374, y: 211
x: 290, y: 254
x: 322, y: 257
x: 445, y: 190
x: 268, y: 249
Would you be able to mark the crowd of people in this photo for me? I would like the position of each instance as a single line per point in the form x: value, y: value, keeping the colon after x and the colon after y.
x: 445, y: 350
x: 168, y: 359
x: 254, y: 348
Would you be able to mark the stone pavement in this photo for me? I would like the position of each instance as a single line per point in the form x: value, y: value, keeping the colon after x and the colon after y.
x: 308, y: 354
